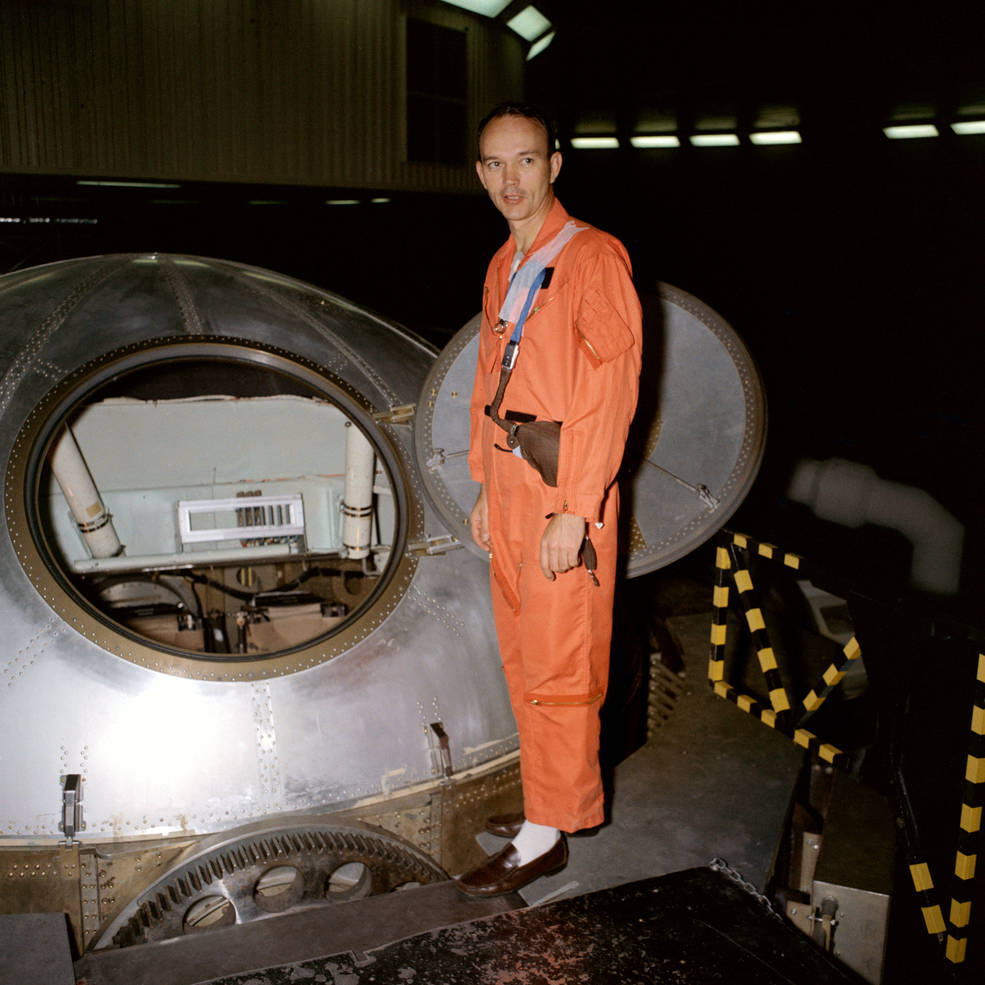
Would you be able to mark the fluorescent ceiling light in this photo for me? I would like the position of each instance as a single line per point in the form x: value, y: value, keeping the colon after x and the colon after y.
x: 379, y: 201
x: 968, y: 126
x: 908, y: 130
x: 656, y: 140
x: 594, y: 143
x: 715, y: 140
x: 530, y: 23
x: 775, y: 137
x: 538, y: 46
x: 130, y: 184
x: 488, y: 8
x: 342, y: 201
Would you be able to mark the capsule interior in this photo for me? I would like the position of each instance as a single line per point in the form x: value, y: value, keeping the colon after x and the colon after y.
x: 216, y: 507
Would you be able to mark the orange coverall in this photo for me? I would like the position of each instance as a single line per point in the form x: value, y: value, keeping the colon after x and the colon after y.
x: 578, y: 363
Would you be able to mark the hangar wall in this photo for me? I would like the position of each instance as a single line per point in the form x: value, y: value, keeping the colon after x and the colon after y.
x: 304, y: 93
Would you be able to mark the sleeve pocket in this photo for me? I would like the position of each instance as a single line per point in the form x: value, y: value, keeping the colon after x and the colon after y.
x: 602, y: 332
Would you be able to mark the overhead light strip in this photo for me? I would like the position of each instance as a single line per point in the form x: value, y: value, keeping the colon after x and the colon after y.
x: 767, y: 137
x: 964, y: 127
x: 655, y: 140
x: 909, y: 131
x: 715, y: 140
x: 594, y: 143
x: 128, y: 184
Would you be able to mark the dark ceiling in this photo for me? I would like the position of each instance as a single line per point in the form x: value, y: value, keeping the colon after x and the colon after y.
x: 839, y: 64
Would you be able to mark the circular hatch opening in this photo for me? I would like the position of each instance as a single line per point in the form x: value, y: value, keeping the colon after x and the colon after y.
x: 210, y: 507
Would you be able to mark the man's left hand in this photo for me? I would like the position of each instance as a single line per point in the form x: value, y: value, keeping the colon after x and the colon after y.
x: 561, y: 544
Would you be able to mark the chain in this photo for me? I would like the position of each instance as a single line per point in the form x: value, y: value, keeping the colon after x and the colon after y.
x: 720, y: 865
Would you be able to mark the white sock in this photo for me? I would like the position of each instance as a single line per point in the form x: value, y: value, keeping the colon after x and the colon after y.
x: 533, y: 840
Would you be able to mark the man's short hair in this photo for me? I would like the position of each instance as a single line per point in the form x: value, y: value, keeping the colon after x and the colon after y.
x: 527, y: 111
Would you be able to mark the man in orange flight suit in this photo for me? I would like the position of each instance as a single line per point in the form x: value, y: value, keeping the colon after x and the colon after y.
x: 578, y: 362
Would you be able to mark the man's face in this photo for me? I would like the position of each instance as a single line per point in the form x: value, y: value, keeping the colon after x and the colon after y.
x: 517, y: 169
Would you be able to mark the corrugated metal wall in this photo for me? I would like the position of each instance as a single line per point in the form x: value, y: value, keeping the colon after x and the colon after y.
x: 285, y: 91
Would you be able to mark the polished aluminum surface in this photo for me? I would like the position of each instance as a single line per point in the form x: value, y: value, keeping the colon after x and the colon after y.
x: 694, y: 448
x: 171, y: 743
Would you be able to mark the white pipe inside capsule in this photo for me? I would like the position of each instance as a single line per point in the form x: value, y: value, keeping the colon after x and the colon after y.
x: 82, y: 496
x: 357, y: 506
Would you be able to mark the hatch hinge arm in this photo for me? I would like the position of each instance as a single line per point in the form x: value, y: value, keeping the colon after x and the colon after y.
x: 433, y: 546
x: 402, y: 414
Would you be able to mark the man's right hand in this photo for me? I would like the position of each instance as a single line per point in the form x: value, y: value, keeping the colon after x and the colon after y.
x: 479, y: 520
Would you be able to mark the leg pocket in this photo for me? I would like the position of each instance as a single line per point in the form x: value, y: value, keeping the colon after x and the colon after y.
x: 502, y: 584
x: 548, y: 699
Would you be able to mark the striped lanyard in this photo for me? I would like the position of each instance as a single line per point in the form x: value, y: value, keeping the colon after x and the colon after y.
x: 512, y: 347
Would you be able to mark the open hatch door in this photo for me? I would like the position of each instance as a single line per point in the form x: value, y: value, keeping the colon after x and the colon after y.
x: 694, y: 448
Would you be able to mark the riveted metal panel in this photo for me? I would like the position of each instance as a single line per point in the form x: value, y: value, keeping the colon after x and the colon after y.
x: 694, y: 448
x: 170, y: 743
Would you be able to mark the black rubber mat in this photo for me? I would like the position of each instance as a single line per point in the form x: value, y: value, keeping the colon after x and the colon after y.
x: 694, y: 927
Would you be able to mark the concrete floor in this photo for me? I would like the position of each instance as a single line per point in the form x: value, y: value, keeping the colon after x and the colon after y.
x: 711, y: 782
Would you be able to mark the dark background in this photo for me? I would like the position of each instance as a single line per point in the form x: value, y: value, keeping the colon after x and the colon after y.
x: 849, y: 264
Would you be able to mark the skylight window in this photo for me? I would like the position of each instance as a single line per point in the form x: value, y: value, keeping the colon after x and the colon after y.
x: 538, y: 46
x: 488, y: 8
x: 530, y: 23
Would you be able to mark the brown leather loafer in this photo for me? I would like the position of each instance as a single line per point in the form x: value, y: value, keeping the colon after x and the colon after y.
x: 503, y: 873
x: 505, y: 825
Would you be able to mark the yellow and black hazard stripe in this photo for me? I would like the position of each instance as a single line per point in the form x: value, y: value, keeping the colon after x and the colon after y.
x: 732, y: 559
x: 923, y: 883
x: 970, y: 826
x: 748, y: 704
x: 832, y: 676
x: 719, y: 615
x: 779, y: 700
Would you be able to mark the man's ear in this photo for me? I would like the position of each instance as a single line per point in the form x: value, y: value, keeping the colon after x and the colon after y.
x: 478, y: 171
x: 555, y: 163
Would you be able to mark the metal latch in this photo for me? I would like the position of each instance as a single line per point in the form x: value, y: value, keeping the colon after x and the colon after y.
x: 71, y: 807
x: 433, y: 546
x: 444, y: 746
x: 439, y: 457
x: 396, y: 415
x: 823, y: 923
